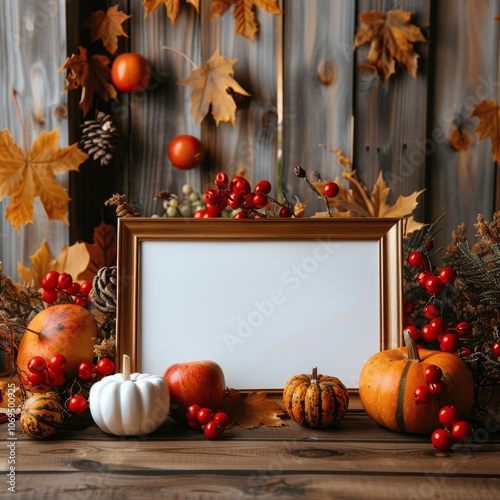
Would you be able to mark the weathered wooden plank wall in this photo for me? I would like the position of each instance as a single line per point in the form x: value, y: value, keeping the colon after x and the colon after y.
x: 32, y: 49
x: 401, y: 128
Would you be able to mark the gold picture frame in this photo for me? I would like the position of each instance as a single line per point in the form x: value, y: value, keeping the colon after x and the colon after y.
x: 264, y: 298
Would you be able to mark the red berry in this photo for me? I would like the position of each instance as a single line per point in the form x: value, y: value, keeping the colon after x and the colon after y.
x: 57, y: 363
x: 73, y: 289
x: 240, y: 183
x: 408, y: 307
x: 64, y: 281
x: 442, y: 440
x: 438, y: 325
x: 260, y: 200
x: 81, y: 301
x: 464, y: 351
x: 422, y: 394
x: 433, y: 374
x: 450, y: 343
x: 205, y: 415
x: 438, y: 388
x: 447, y: 275
x: 86, y: 369
x: 433, y: 284
x: 37, y: 378
x: 235, y: 200
x: 331, y: 189
x: 240, y: 215
x: 56, y: 379
x: 249, y: 199
x: 49, y: 296
x: 495, y: 348
x: 221, y: 180
x: 199, y: 214
x: 105, y: 366
x: 428, y: 334
x: 431, y: 311
x: 192, y: 413
x: 77, y: 404
x: 285, y: 213
x: 262, y: 186
x: 85, y: 287
x: 417, y: 259
x: 462, y: 430
x: 422, y: 278
x: 194, y: 425
x: 211, y: 195
x: 464, y: 329
x: 212, y: 430
x: 37, y: 364
x: 221, y: 418
x: 51, y: 279
x: 414, y: 331
x: 448, y: 415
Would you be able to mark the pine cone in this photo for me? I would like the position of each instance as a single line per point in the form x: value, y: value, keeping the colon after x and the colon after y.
x: 99, y: 138
x: 103, y: 293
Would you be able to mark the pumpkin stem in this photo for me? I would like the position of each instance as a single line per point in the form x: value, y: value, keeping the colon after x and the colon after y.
x: 314, y: 375
x: 413, y: 354
x: 126, y: 367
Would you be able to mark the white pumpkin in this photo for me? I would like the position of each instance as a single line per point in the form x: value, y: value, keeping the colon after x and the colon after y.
x: 126, y: 404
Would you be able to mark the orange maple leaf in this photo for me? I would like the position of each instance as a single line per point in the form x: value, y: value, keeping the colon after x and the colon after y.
x: 252, y: 410
x: 173, y: 7
x: 107, y: 26
x: 488, y: 113
x: 92, y: 75
x: 391, y: 38
x: 25, y: 176
x: 210, y: 83
x: 102, y: 251
x: 244, y: 13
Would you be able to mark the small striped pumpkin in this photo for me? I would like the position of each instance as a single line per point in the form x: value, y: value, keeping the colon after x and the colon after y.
x: 315, y: 400
x: 42, y: 415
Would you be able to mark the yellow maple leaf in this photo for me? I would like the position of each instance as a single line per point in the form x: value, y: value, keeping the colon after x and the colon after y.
x: 172, y: 6
x: 209, y: 88
x: 107, y: 26
x: 92, y: 75
x: 73, y: 260
x: 244, y: 13
x: 488, y: 113
x: 391, y: 37
x: 25, y: 176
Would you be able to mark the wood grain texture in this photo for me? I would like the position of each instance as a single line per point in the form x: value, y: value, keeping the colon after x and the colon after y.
x: 462, y: 184
x: 356, y: 459
x: 32, y: 49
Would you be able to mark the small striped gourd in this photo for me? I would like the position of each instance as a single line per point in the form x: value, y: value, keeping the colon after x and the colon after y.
x: 42, y: 415
x: 315, y: 400
x: 389, y: 378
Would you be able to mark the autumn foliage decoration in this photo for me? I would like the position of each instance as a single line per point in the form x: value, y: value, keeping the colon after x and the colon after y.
x: 391, y: 37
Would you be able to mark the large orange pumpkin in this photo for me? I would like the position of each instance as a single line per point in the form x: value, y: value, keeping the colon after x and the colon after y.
x: 315, y: 400
x: 389, y: 378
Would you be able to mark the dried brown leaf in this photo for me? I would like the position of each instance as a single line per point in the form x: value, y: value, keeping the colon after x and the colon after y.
x: 107, y: 26
x: 102, y: 252
x: 173, y: 7
x: 391, y: 37
x: 488, y: 113
x: 252, y: 410
x: 209, y: 89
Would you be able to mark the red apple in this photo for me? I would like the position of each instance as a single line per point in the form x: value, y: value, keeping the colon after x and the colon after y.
x: 194, y: 382
x: 66, y: 329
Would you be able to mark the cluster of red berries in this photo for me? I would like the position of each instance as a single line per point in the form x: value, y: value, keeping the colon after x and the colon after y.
x: 237, y: 194
x: 213, y: 425
x: 433, y: 283
x: 52, y: 372
x: 454, y: 428
x: 54, y: 283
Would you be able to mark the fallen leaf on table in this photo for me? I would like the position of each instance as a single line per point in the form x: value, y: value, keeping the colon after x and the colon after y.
x: 92, y: 75
x: 252, y: 410
x: 173, y: 7
x: 27, y: 175
x: 209, y: 88
x: 391, y: 37
x: 72, y: 259
x: 488, y: 113
x: 244, y: 13
x: 107, y: 26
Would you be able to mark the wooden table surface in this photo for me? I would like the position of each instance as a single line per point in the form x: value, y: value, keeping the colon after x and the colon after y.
x: 357, y: 459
